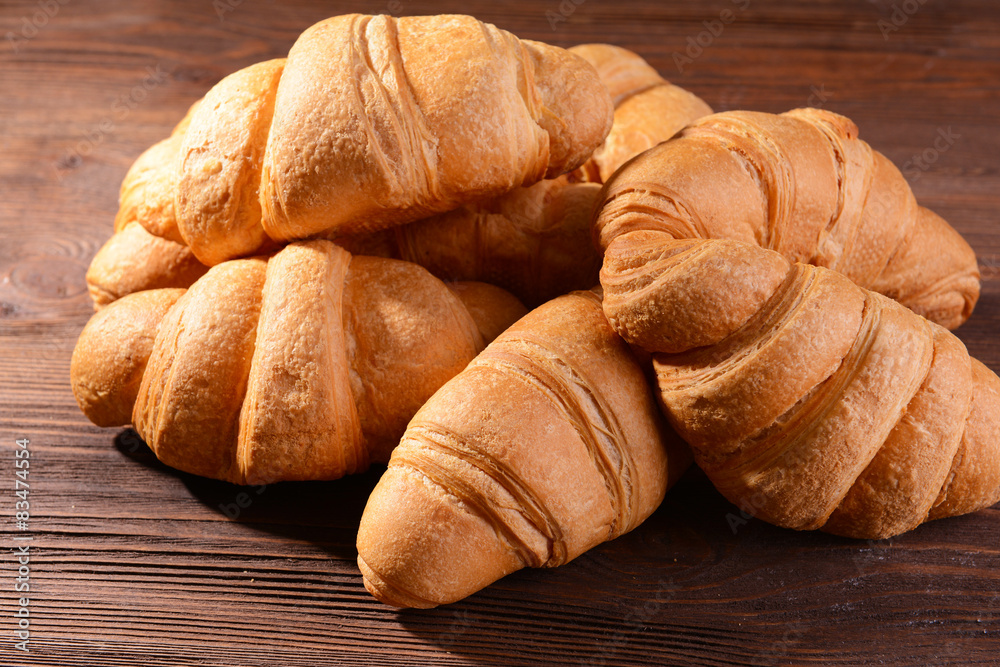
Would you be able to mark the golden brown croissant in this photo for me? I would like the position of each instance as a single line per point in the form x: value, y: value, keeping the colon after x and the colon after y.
x: 535, y: 241
x: 369, y: 123
x: 133, y: 260
x: 648, y: 108
x: 303, y: 366
x: 548, y: 444
x: 808, y: 401
x: 147, y: 191
x: 803, y: 184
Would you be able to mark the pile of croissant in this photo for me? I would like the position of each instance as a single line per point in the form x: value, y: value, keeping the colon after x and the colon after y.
x: 329, y: 263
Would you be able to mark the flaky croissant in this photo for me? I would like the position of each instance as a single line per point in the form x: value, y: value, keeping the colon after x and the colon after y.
x: 648, y: 108
x: 535, y: 241
x: 370, y: 122
x: 548, y: 444
x: 803, y: 184
x: 808, y: 401
x: 147, y: 192
x: 133, y: 260
x: 303, y: 366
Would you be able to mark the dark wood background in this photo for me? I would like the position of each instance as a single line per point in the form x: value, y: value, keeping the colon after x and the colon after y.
x: 133, y: 562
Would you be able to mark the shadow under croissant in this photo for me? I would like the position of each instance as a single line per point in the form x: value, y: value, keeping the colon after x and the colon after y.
x: 648, y: 592
x: 688, y: 573
x: 610, y: 605
x: 325, y: 514
x: 685, y: 578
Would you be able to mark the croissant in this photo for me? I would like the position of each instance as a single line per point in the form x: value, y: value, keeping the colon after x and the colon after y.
x: 536, y: 241
x: 133, y: 260
x: 369, y: 123
x: 648, y: 108
x: 808, y: 401
x: 147, y: 191
x: 802, y: 184
x: 547, y: 444
x: 306, y: 365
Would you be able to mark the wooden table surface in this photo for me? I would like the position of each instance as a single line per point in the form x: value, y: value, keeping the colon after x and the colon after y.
x: 131, y: 561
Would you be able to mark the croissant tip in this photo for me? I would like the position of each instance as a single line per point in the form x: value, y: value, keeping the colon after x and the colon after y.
x: 386, y: 593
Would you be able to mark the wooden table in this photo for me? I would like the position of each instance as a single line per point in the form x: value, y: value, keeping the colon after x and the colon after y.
x: 132, y: 561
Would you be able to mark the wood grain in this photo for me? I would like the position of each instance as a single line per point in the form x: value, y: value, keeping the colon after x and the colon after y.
x: 133, y: 562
